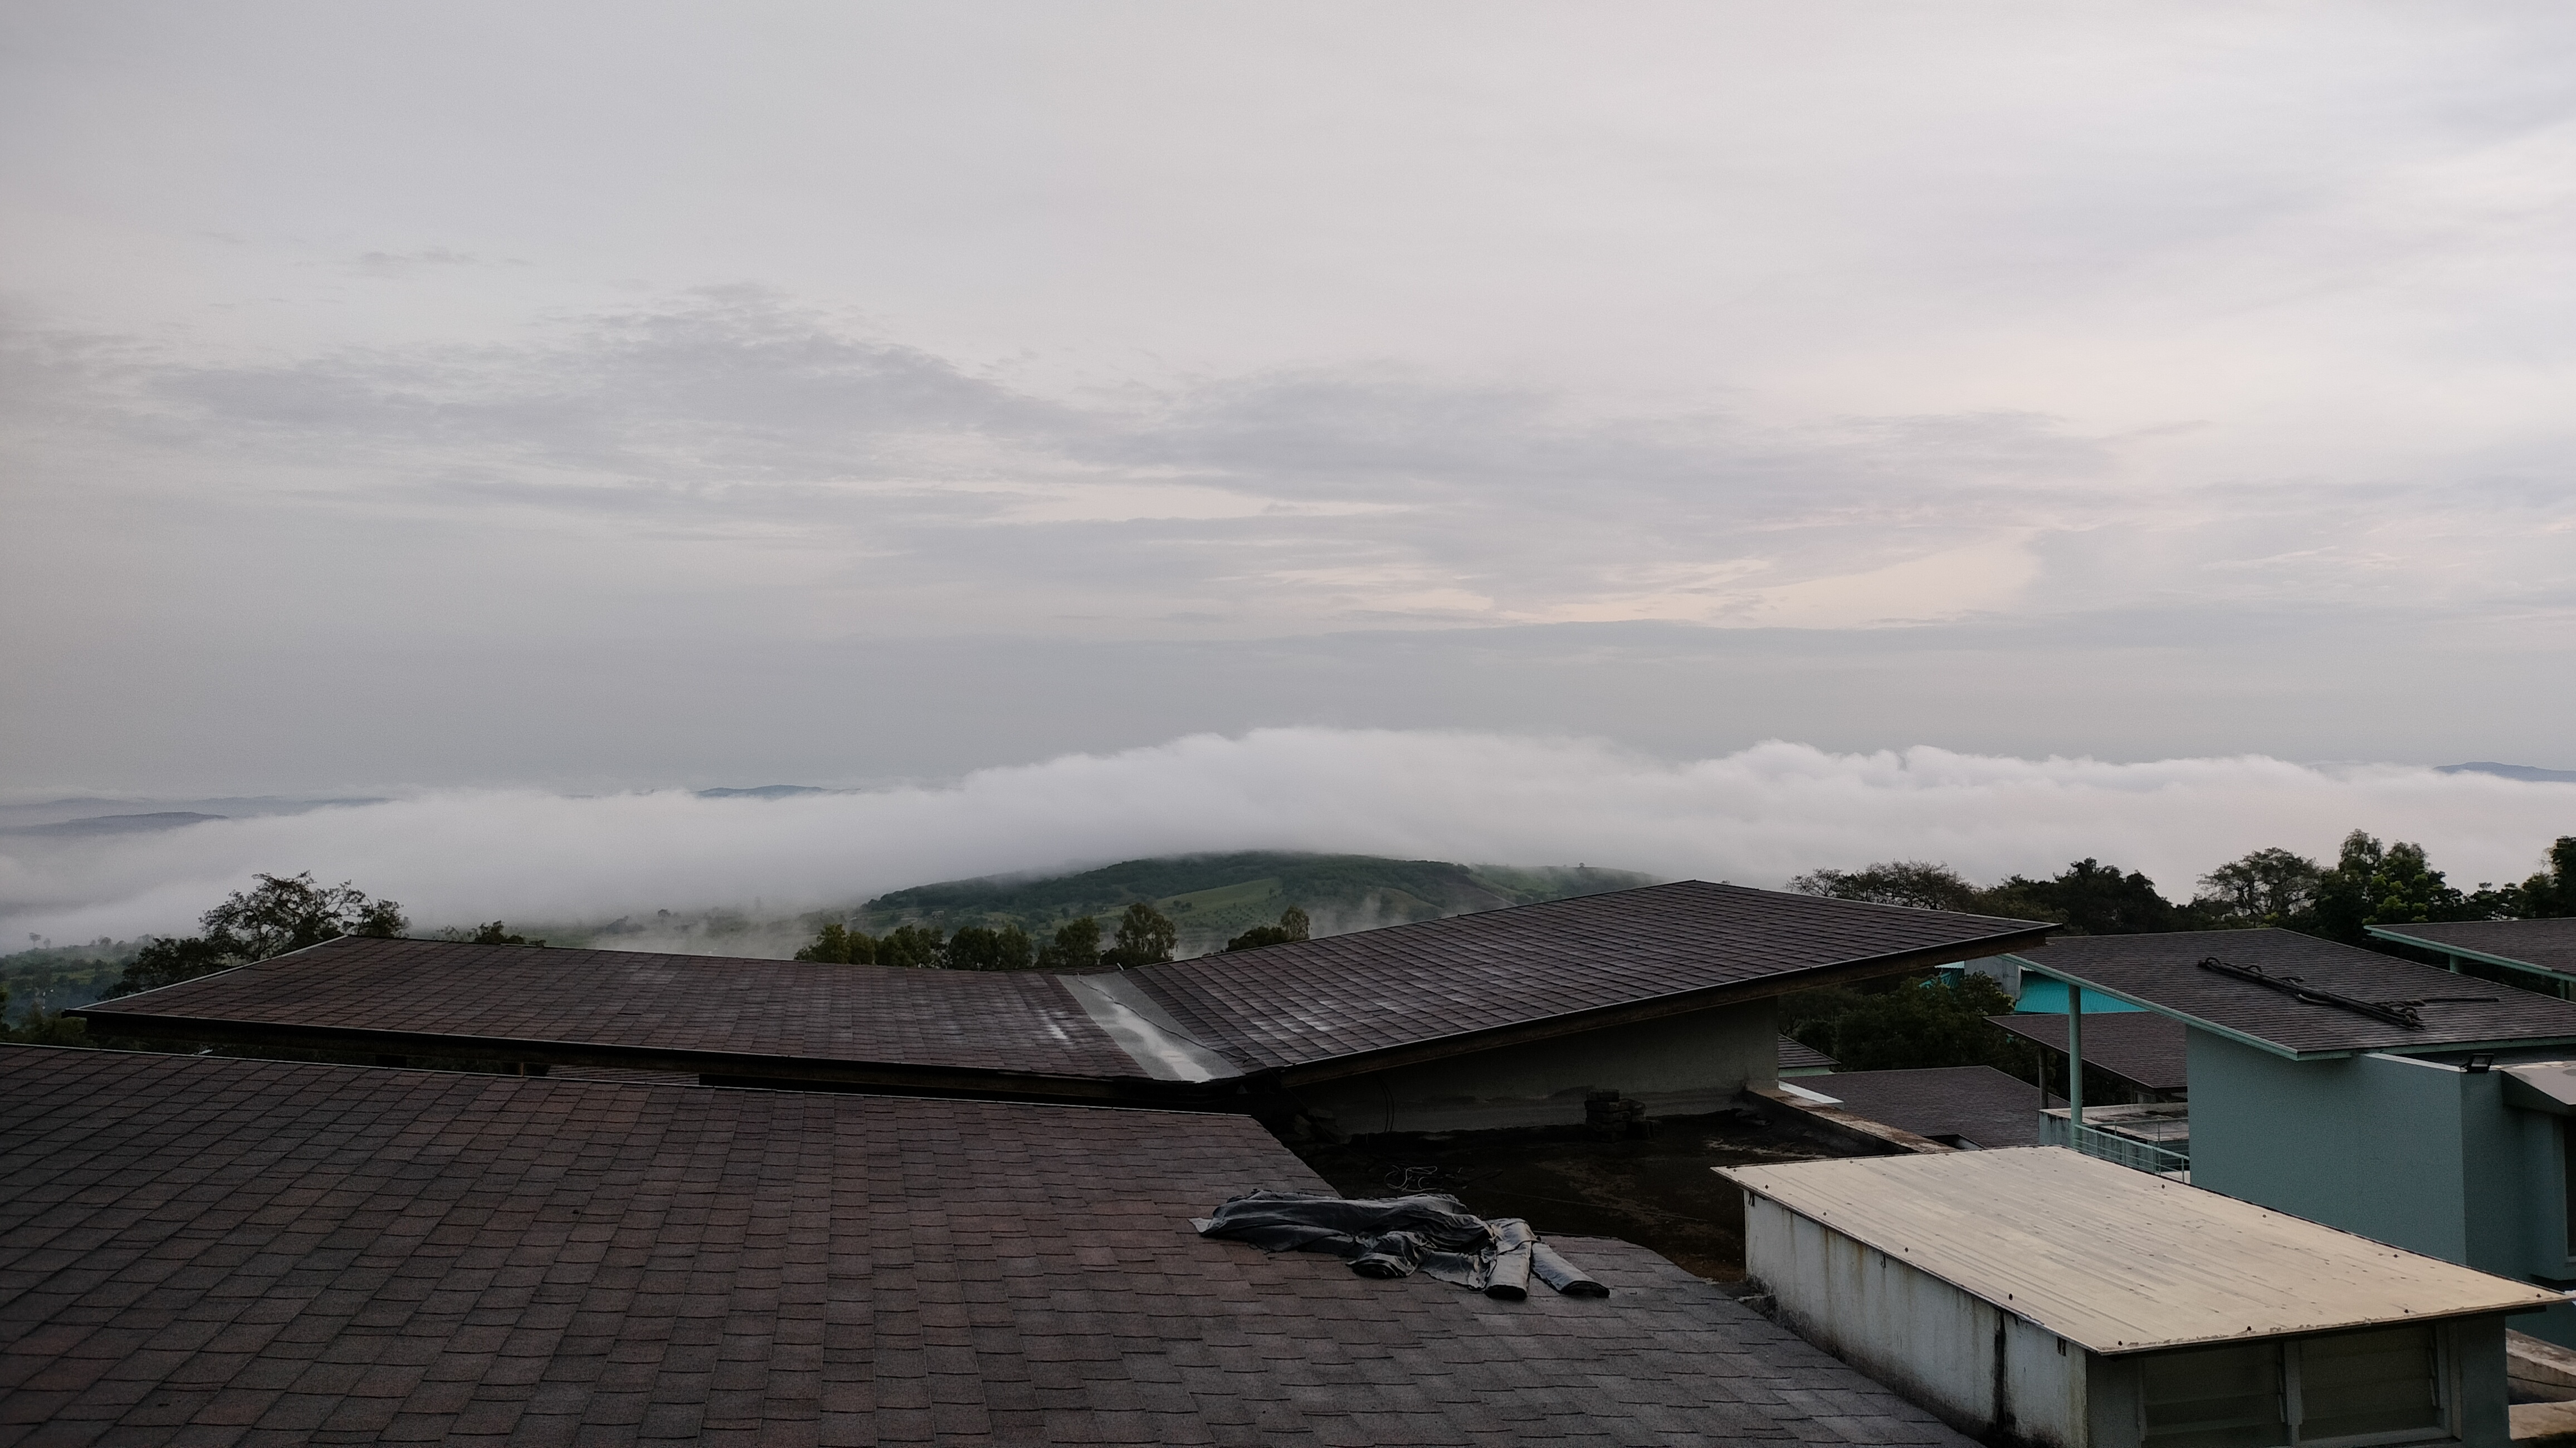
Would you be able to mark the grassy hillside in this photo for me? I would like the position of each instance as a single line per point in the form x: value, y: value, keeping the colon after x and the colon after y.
x: 1212, y: 897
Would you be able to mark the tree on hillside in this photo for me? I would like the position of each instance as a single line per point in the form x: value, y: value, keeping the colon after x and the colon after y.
x: 1145, y: 936
x: 1917, y: 884
x: 917, y: 946
x: 2375, y: 884
x: 1075, y: 949
x: 979, y: 947
x: 2089, y: 897
x: 838, y: 944
x: 2551, y: 894
x: 1292, y: 925
x: 277, y: 915
x: 2271, y: 887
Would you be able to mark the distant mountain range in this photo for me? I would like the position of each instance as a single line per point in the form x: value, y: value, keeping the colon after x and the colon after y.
x: 2524, y: 772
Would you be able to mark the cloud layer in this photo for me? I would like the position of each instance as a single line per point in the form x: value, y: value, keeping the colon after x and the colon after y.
x: 1753, y: 817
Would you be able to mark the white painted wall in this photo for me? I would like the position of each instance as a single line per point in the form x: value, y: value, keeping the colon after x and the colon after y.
x: 1934, y: 1344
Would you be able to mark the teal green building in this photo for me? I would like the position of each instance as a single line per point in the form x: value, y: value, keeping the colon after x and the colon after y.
x: 2423, y: 1109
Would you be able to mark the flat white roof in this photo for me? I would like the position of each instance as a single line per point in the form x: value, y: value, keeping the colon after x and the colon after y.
x: 2119, y: 1261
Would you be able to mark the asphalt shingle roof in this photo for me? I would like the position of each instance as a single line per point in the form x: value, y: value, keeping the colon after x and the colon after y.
x: 2143, y: 1048
x: 631, y: 1001
x: 215, y: 1251
x: 2549, y: 944
x: 1353, y: 995
x: 1980, y: 1103
x: 2162, y: 972
x: 1797, y: 1055
x: 1434, y: 986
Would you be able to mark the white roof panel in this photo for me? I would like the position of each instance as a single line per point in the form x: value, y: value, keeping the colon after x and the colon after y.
x: 2119, y: 1261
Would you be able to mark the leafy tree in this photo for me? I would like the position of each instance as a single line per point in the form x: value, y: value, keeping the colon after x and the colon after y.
x: 1292, y: 925
x: 2089, y: 897
x: 1918, y: 884
x: 1075, y: 949
x: 1910, y: 1022
x: 978, y: 947
x: 2271, y: 887
x: 279, y: 914
x: 2551, y: 894
x: 917, y: 946
x: 1145, y: 935
x: 2372, y: 884
x: 838, y: 944
x: 494, y: 934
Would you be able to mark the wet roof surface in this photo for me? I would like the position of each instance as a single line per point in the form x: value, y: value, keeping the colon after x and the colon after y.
x: 1980, y: 1103
x: 206, y: 1250
x: 2163, y: 972
x: 2140, y: 1047
x: 1348, y: 995
x: 1797, y: 1055
x: 2117, y: 1260
x: 1285, y: 1005
x: 2549, y: 944
x: 1021, y: 1021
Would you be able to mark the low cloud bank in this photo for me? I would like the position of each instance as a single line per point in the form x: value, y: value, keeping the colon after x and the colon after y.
x: 1755, y: 817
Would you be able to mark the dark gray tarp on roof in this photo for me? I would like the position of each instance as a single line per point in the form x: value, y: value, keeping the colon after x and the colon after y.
x: 1397, y: 1236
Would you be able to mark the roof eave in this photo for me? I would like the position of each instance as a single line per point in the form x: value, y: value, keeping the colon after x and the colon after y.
x: 1678, y: 1003
x: 2442, y: 947
x: 2288, y: 1053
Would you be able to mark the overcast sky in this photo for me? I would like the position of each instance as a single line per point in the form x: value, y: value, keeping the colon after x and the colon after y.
x: 593, y: 397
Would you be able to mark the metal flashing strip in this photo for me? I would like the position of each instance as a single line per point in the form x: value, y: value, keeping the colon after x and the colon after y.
x: 1144, y: 1030
x: 2464, y: 953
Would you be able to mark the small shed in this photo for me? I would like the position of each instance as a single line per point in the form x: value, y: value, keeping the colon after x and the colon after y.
x: 2036, y: 1295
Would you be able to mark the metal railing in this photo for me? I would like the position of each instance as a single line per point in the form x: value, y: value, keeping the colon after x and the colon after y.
x: 2113, y: 1147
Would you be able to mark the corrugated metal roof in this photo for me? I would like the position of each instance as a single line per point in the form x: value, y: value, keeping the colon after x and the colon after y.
x: 2143, y: 1048
x: 2547, y: 944
x: 2119, y: 1261
x: 2162, y: 973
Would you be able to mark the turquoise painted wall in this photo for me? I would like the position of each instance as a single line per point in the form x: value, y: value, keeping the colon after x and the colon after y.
x: 2049, y: 997
x: 2416, y: 1154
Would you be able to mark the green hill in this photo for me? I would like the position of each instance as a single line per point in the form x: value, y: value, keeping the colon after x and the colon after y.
x: 1214, y: 897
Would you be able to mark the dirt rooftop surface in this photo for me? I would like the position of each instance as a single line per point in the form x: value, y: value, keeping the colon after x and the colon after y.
x: 1657, y: 1190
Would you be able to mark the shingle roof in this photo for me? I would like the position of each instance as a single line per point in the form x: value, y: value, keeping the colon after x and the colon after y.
x: 1796, y: 1055
x: 2143, y: 1048
x: 2547, y: 944
x: 643, y: 1008
x: 2162, y: 973
x: 203, y: 1250
x: 1348, y: 997
x: 1324, y: 1006
x: 1979, y: 1103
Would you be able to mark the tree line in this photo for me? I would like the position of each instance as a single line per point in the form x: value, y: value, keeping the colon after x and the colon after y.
x: 1145, y: 936
x: 2368, y: 884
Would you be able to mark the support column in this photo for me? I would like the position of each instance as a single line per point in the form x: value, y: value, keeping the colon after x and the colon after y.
x: 2075, y: 1064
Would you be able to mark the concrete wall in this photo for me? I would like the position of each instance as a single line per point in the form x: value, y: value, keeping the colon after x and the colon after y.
x: 1985, y: 1372
x: 2417, y: 1154
x: 1678, y: 1066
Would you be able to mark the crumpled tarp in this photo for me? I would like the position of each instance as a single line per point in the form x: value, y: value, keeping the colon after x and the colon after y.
x: 1398, y: 1236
